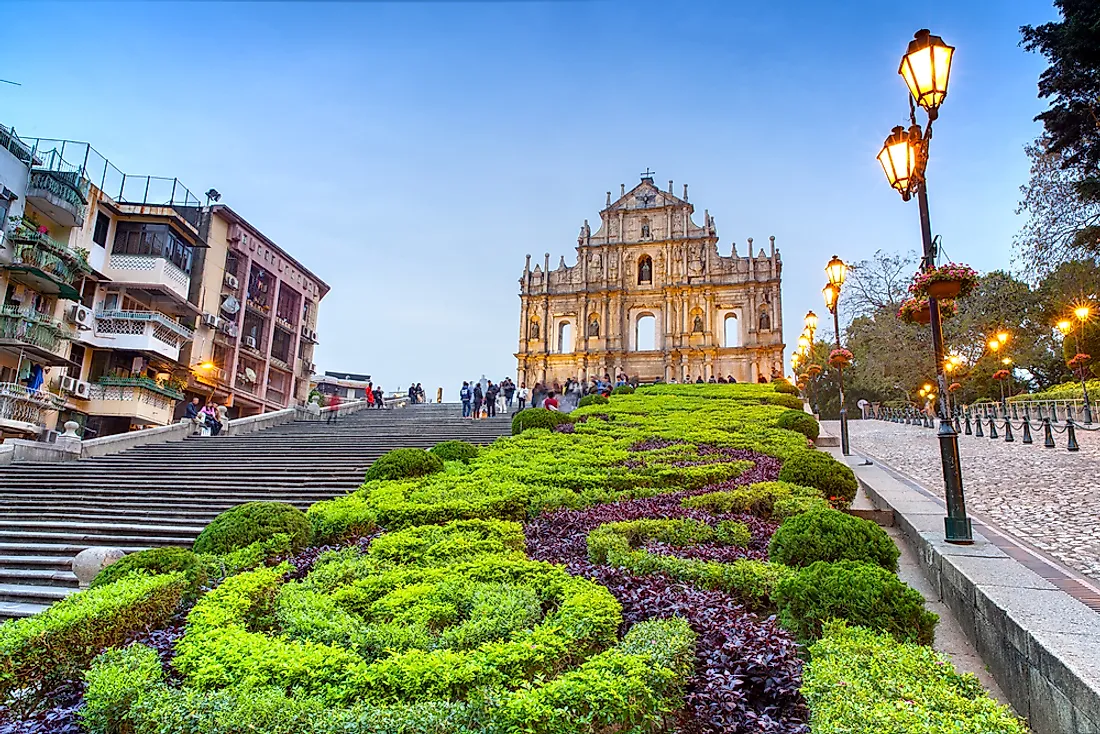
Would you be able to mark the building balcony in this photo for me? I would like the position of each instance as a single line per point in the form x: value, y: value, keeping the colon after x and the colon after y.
x: 150, y: 332
x: 44, y: 264
x: 145, y: 402
x: 35, y: 335
x: 23, y: 410
x: 61, y: 195
x: 149, y: 273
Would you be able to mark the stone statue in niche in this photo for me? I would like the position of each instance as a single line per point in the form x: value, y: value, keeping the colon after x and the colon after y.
x: 697, y: 325
x: 645, y: 271
x: 595, y: 259
x: 533, y: 329
x: 645, y: 229
x: 765, y: 319
x: 613, y: 264
x: 695, y: 261
x: 594, y: 327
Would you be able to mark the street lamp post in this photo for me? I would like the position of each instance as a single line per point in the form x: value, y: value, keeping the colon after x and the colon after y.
x: 1082, y: 313
x: 926, y: 68
x: 837, y: 270
x: 811, y: 329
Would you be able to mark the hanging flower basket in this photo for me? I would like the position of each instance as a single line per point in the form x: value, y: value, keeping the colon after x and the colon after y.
x: 813, y: 370
x: 953, y: 387
x: 840, y: 358
x: 918, y: 310
x: 946, y: 281
x: 1078, y: 361
x: 1001, y: 375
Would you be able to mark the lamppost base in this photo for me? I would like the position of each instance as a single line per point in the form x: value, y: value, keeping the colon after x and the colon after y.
x: 957, y: 530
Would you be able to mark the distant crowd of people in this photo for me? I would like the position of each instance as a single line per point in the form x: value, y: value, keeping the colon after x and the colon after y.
x: 212, y: 417
x: 484, y: 399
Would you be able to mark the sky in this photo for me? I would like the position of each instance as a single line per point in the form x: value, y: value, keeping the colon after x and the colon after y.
x: 412, y: 153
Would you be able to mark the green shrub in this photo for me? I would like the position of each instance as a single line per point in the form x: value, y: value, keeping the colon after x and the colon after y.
x: 859, y: 593
x: 218, y: 567
x: 57, y: 643
x: 454, y: 451
x: 734, y: 533
x: 538, y: 418
x: 828, y: 535
x: 153, y: 562
x: 860, y: 681
x: 801, y: 421
x: 818, y: 469
x: 787, y: 401
x: 769, y: 500
x: 404, y: 464
x: 343, y: 518
x: 782, y: 386
x: 246, y: 524
x: 623, y: 390
x: 116, y: 681
x: 593, y: 399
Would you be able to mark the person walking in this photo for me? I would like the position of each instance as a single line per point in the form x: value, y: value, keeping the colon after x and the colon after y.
x: 370, y: 395
x: 412, y: 392
x: 491, y: 400
x: 551, y: 401
x: 509, y: 393
x: 333, y: 408
x: 522, y: 395
x: 379, y: 400
x: 479, y: 398
x: 467, y: 396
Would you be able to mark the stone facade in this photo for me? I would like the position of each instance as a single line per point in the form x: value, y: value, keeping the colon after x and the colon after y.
x: 651, y: 296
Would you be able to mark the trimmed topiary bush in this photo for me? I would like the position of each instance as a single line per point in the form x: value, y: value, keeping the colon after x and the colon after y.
x: 623, y: 390
x: 828, y: 535
x: 787, y: 401
x: 858, y: 593
x: 538, y: 418
x: 404, y: 464
x: 820, y: 470
x: 454, y: 451
x: 801, y: 421
x: 153, y: 562
x: 593, y: 399
x: 782, y: 386
x: 251, y: 522
x: 769, y: 500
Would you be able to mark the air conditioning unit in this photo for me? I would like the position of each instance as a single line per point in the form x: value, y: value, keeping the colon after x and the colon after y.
x: 68, y: 384
x: 83, y: 389
x: 209, y: 319
x: 231, y: 281
x: 232, y: 330
x: 50, y: 436
x: 250, y: 341
x: 81, y: 316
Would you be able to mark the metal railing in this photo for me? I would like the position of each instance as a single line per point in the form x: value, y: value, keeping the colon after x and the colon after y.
x: 31, y: 328
x: 19, y: 403
x: 24, y: 235
x: 156, y: 317
x: 142, y: 382
x: 68, y: 186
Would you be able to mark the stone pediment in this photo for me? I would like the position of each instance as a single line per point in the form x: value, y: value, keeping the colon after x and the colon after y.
x: 645, y: 195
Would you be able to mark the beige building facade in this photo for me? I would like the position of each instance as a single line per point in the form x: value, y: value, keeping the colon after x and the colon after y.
x: 651, y: 296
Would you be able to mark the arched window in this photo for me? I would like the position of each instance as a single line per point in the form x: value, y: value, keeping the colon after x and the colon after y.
x: 645, y: 334
x: 732, y: 336
x: 645, y: 270
x: 565, y: 337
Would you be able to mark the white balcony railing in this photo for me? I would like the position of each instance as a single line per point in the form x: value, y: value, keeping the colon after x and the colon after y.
x: 142, y: 331
x: 23, y: 409
x: 140, y: 404
x: 146, y: 269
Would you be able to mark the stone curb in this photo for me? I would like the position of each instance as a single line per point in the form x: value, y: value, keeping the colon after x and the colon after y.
x: 1041, y: 645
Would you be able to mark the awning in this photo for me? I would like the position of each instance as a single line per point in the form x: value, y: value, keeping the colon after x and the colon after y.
x: 42, y: 281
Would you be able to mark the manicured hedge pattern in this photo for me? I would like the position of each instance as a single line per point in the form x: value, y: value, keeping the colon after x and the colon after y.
x: 538, y: 418
x: 454, y: 451
x: 828, y: 535
x: 254, y: 522
x: 801, y: 421
x: 404, y: 464
x: 821, y: 471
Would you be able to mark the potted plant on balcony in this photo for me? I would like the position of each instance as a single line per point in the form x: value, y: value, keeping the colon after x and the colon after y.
x: 840, y: 357
x: 951, y: 280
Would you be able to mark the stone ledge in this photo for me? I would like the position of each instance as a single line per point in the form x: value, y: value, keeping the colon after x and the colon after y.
x: 1041, y: 645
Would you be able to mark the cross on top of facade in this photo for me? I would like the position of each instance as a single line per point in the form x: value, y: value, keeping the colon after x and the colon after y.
x: 648, y: 173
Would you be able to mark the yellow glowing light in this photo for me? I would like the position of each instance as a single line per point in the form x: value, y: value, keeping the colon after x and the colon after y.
x: 923, y: 392
x: 1002, y: 336
x: 1082, y: 313
x: 948, y: 366
x: 1064, y: 326
x: 1006, y: 360
x: 956, y: 360
x: 928, y: 387
x: 926, y: 68
x: 831, y: 294
x: 803, y: 342
x: 206, y: 366
x: 837, y: 271
x: 994, y: 345
x: 899, y: 159
x: 811, y: 321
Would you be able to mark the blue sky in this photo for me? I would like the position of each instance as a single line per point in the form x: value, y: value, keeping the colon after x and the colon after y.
x: 411, y: 154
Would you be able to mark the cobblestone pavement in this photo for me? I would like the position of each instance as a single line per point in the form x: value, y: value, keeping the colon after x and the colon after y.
x: 1049, y: 498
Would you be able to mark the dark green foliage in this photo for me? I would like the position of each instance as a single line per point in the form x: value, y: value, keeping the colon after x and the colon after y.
x: 454, y: 451
x: 787, y: 401
x: 246, y: 524
x: 623, y: 390
x: 537, y: 418
x: 782, y: 386
x: 828, y: 535
x: 404, y: 464
x: 858, y: 593
x: 155, y: 561
x: 593, y: 399
x: 820, y: 470
x: 801, y: 421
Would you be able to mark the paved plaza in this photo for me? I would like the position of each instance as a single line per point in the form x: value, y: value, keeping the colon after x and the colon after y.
x: 1049, y: 498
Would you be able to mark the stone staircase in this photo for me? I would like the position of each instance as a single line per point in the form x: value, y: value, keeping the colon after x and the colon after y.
x: 164, y: 494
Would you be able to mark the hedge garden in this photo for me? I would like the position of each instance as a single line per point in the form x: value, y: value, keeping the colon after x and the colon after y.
x: 675, y: 558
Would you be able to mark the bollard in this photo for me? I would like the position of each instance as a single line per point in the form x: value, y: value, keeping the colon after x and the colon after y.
x: 1054, y: 412
x: 992, y: 428
x: 1027, y: 429
x: 967, y: 429
x: 1015, y: 415
x: 1027, y: 410
x: 1071, y: 436
x: 1008, y: 431
x: 978, y: 427
x: 1048, y: 435
x: 958, y: 426
x: 1069, y: 412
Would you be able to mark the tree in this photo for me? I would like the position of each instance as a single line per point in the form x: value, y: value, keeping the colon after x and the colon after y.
x: 879, y: 283
x: 1072, y: 83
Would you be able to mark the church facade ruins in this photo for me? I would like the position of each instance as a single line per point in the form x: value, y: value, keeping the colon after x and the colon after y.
x: 651, y: 296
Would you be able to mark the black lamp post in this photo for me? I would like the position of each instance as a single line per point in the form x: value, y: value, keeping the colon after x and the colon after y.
x: 926, y: 68
x: 837, y: 270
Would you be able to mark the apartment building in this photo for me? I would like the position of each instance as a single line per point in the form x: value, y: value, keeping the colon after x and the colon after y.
x: 114, y: 299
